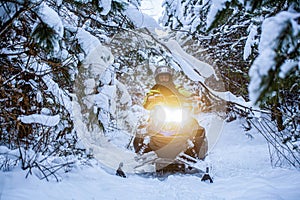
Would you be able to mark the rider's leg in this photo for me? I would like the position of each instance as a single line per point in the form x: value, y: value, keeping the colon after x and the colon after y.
x: 198, y: 137
x: 200, y: 143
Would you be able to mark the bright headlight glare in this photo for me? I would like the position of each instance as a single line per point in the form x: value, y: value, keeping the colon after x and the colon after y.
x: 173, y: 114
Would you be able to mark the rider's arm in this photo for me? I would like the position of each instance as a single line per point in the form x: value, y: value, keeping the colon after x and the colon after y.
x: 147, y: 101
x: 151, y: 98
x: 184, y: 92
x: 193, y: 98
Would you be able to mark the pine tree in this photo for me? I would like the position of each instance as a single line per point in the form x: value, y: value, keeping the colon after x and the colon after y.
x: 233, y: 37
x: 40, y: 57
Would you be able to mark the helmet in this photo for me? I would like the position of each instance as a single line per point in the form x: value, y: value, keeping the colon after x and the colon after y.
x: 162, y: 70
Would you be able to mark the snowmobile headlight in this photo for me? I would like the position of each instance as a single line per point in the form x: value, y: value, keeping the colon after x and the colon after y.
x: 173, y: 114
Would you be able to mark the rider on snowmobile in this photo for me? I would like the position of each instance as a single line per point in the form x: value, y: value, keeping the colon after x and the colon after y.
x: 174, y: 96
x: 165, y: 87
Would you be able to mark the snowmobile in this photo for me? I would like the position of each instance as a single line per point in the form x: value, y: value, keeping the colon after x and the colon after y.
x: 171, y: 140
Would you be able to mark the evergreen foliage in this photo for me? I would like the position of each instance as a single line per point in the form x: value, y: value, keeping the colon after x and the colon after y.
x: 39, y: 60
x: 41, y: 55
x: 233, y: 37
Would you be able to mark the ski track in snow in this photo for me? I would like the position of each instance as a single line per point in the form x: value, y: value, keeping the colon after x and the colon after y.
x: 240, y: 167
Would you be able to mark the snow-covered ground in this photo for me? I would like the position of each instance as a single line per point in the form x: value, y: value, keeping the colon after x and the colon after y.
x: 240, y: 165
x: 240, y: 168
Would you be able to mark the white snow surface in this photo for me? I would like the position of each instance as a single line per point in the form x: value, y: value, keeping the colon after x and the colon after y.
x: 140, y: 19
x: 197, y: 70
x: 106, y: 5
x: 240, y: 167
x: 189, y: 63
x: 7, y: 12
x: 286, y: 67
x: 87, y: 41
x: 152, y: 8
x: 45, y: 120
x: 272, y: 30
x: 251, y: 41
x: 51, y: 18
x: 216, y: 5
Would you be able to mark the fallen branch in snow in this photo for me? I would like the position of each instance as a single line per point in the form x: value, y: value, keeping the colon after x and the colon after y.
x: 280, y: 152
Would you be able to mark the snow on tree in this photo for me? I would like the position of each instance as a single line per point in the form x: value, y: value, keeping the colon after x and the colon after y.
x: 41, y: 55
x: 279, y: 34
x: 70, y: 69
x: 218, y: 46
x: 274, y: 81
x: 235, y: 36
